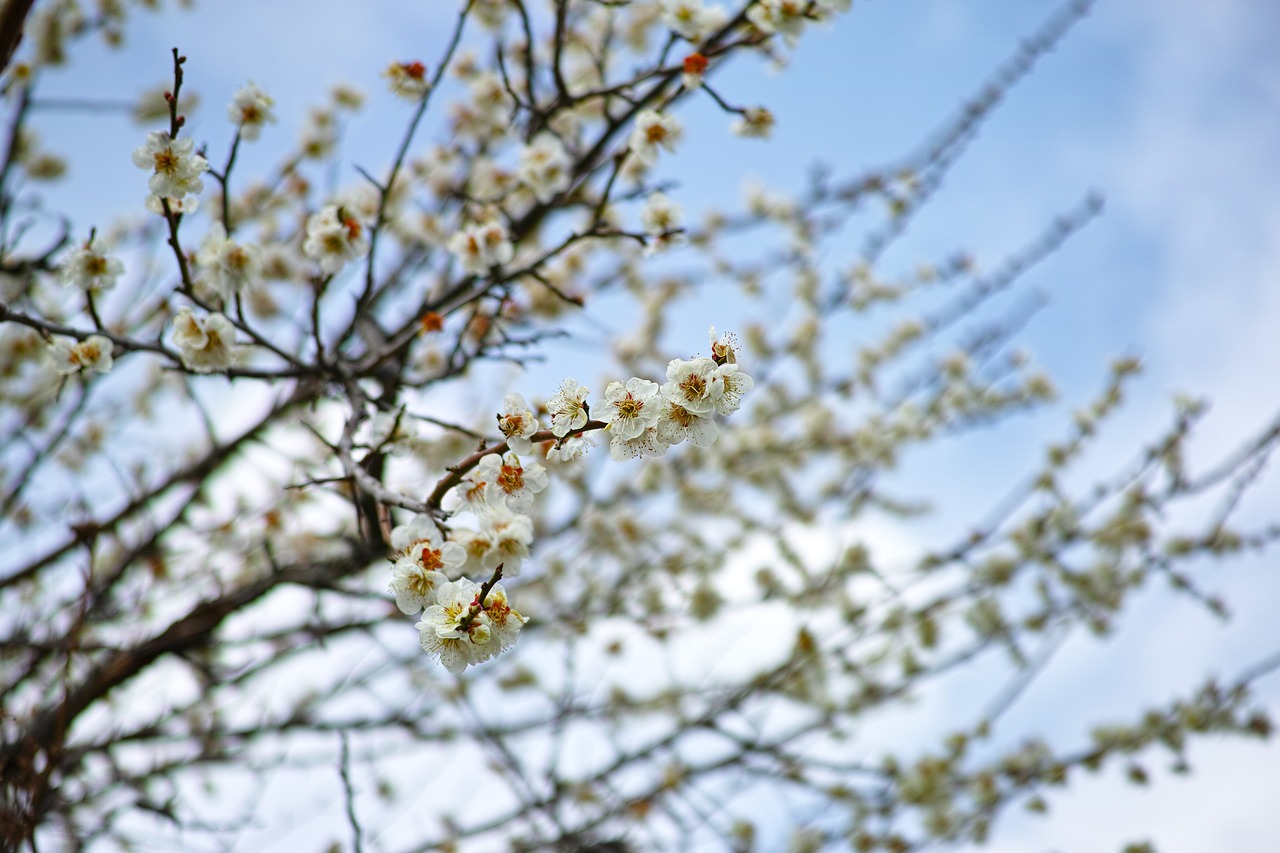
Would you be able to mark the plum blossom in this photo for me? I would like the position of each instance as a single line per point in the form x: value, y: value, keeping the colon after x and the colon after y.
x: 90, y: 270
x: 545, y: 167
x: 517, y: 423
x: 755, y: 122
x: 568, y: 407
x: 422, y: 565
x: 482, y: 246
x: 250, y: 109
x: 175, y: 169
x: 653, y: 130
x: 692, y: 385
x: 692, y: 19
x: 204, y: 343
x: 334, y: 237
x: 231, y: 266
x: 510, y: 484
x: 408, y: 80
x: 461, y: 630
x: 677, y: 424
x: 93, y: 353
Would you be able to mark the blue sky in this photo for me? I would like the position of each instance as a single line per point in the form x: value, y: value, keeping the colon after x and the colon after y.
x: 1170, y: 109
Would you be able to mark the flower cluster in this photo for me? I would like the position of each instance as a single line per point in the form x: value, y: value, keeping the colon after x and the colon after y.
x: 498, y: 486
x: 482, y: 245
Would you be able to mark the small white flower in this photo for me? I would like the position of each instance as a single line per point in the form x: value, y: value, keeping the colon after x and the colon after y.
x: 653, y: 130
x: 93, y: 353
x: 90, y: 270
x: 482, y: 246
x: 677, y: 424
x: 517, y: 423
x: 646, y: 445
x: 408, y: 80
x: 632, y: 408
x: 175, y: 170
x: 423, y: 563
x: 568, y: 407
x: 691, y: 19
x: 691, y: 384
x: 660, y: 214
x: 334, y: 237
x: 250, y: 109
x: 783, y: 17
x: 569, y: 449
x: 509, y: 483
x: 511, y: 535
x: 231, y: 266
x: 756, y: 122
x: 733, y: 384
x: 544, y: 167
x: 205, y: 343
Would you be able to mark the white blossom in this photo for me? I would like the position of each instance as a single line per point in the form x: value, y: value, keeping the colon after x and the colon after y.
x: 334, y: 237
x: 90, y: 270
x: 568, y: 408
x: 451, y: 631
x: 632, y: 408
x: 175, y: 170
x: 509, y: 483
x: 544, y: 167
x: 511, y: 535
x: 422, y: 565
x: 692, y: 385
x: 250, y: 109
x: 653, y: 130
x: 517, y: 423
x: 204, y: 343
x: 482, y: 246
x: 692, y: 19
x: 733, y: 383
x: 408, y: 80
x: 93, y: 353
x: 231, y: 267
x: 755, y: 122
x: 677, y: 424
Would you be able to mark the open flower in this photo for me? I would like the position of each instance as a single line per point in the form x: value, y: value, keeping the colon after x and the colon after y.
x: 93, y: 353
x: 510, y: 484
x: 175, y: 170
x: 692, y: 385
x: 422, y: 565
x: 544, y: 167
x: 250, y: 109
x: 568, y: 407
x: 653, y: 130
x: 632, y: 408
x: 90, y: 270
x: 481, y: 246
x: 334, y: 237
x: 204, y: 343
x: 517, y: 423
x: 231, y: 267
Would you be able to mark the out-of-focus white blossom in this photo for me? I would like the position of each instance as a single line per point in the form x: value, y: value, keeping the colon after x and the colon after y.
x: 755, y: 122
x: 334, y: 237
x: 482, y: 246
x: 544, y: 167
x: 692, y: 18
x: 204, y: 343
x: 90, y: 270
x: 653, y: 131
x: 250, y: 109
x: 408, y: 80
x: 231, y: 267
x: 93, y: 353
